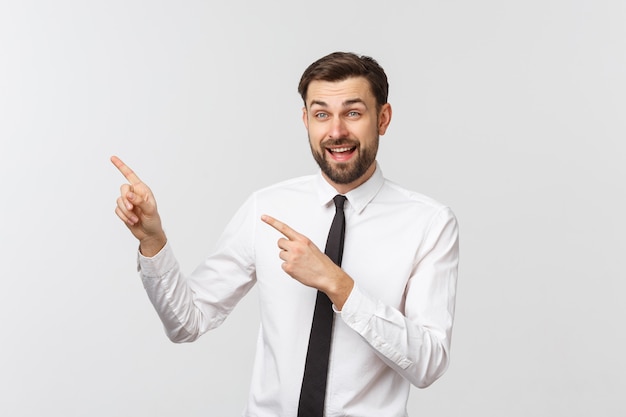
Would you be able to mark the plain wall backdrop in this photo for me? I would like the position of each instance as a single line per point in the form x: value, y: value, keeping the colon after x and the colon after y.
x: 511, y: 112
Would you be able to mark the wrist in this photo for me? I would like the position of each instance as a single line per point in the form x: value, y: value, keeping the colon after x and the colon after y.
x: 340, y: 290
x: 151, y: 245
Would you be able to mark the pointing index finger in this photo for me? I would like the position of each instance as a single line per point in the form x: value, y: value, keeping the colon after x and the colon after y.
x: 287, y: 231
x: 128, y: 173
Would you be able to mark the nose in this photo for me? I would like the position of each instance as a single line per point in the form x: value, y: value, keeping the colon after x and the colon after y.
x: 338, y: 129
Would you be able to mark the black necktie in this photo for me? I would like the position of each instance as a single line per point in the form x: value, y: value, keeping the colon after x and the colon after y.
x: 313, y: 389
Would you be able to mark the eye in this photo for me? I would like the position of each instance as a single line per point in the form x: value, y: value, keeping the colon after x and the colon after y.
x: 321, y: 115
x: 353, y: 113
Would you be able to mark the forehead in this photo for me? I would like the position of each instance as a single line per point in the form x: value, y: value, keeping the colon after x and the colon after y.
x: 332, y: 92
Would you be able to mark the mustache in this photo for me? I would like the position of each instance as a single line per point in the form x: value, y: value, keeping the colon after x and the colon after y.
x: 340, y: 142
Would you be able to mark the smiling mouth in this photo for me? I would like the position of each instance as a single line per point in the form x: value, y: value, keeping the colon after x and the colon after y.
x: 341, y: 154
x: 342, y: 150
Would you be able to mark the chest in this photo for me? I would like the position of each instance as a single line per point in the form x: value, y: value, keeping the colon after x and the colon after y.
x: 380, y: 254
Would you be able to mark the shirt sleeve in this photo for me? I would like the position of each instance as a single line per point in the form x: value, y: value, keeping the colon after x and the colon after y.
x: 416, y: 342
x: 189, y: 306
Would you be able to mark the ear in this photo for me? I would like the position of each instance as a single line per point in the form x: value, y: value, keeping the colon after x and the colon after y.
x: 305, y: 118
x: 384, y: 118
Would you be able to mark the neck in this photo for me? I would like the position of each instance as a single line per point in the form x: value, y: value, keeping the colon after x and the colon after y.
x: 345, y: 188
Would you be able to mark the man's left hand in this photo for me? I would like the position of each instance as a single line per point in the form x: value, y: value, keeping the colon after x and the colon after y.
x: 303, y: 261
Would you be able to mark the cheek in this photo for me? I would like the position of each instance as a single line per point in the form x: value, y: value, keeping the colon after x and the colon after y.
x: 365, y: 132
x: 316, y: 134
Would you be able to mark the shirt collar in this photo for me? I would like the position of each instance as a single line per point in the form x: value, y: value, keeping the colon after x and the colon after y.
x: 358, y: 198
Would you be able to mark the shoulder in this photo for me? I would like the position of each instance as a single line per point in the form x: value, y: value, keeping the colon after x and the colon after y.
x: 288, y: 187
x: 290, y: 184
x: 413, y: 208
x: 419, y: 212
x: 394, y: 193
x: 290, y: 194
x: 276, y: 200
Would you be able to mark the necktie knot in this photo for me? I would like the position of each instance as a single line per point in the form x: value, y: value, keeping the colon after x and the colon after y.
x: 339, y: 201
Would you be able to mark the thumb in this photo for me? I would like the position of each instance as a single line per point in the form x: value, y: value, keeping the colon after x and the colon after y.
x: 132, y: 196
x: 142, y: 199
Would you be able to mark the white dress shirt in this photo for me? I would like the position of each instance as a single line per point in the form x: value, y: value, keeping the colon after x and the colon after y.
x: 401, y: 249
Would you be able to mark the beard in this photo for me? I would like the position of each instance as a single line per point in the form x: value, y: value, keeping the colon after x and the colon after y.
x: 345, y: 172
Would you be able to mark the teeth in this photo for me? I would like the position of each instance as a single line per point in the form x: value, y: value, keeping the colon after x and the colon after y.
x: 340, y: 150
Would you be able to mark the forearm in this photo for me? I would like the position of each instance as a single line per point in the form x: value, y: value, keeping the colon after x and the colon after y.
x: 189, y: 306
x: 150, y: 246
x: 417, y: 351
x: 170, y: 295
x: 340, y: 288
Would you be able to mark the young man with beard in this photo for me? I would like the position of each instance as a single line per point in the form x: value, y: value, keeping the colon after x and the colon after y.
x: 392, y: 297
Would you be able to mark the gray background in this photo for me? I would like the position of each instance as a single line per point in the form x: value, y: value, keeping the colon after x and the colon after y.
x: 511, y: 112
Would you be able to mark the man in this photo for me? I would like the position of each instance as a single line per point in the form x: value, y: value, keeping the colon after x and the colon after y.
x: 392, y: 298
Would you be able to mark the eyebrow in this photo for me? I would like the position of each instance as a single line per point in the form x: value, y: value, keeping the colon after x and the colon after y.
x: 346, y: 103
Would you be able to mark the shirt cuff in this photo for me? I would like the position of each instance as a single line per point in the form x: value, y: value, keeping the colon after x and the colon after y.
x: 358, y: 310
x: 157, y: 265
x: 362, y: 313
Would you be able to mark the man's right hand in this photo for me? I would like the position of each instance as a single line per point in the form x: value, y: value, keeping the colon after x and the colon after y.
x: 137, y: 208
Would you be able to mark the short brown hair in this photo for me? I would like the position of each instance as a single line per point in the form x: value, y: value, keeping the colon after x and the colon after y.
x: 339, y: 66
